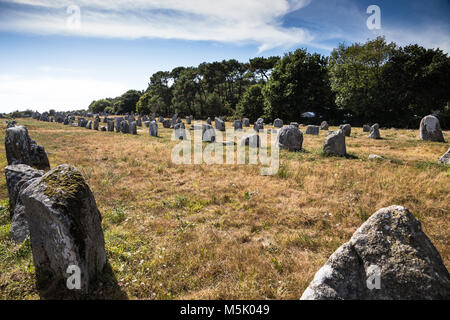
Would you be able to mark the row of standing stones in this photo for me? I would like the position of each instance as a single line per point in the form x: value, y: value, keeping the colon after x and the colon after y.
x: 289, y: 137
x: 57, y: 210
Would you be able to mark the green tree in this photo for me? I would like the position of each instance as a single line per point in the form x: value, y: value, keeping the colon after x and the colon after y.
x: 127, y: 102
x: 251, y: 105
x: 98, y: 106
x: 299, y: 83
x: 262, y: 66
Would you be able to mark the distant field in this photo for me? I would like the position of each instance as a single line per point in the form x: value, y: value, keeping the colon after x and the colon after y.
x: 225, y: 231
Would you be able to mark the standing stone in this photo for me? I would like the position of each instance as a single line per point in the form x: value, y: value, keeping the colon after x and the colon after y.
x: 147, y: 123
x: 18, y: 177
x: 21, y: 149
x: 366, y: 128
x: 246, y: 122
x: 96, y: 121
x: 118, y: 122
x: 314, y: 130
x: 139, y: 121
x: 445, y: 159
x: 375, y: 131
x: 430, y: 129
x: 153, y: 128
x: 335, y: 144
x: 324, y: 125
x: 294, y: 124
x: 291, y: 138
x: 220, y: 124
x: 208, y: 121
x: 65, y: 229
x: 346, y: 129
x: 167, y: 123
x: 179, y: 131
x: 124, y: 127
x: 161, y: 119
x: 251, y: 140
x: 278, y: 123
x: 208, y: 133
x: 89, y: 125
x: 390, y: 245
x: 110, y: 126
x: 258, y: 125
x: 188, y: 120
x: 237, y: 124
x: 133, y: 127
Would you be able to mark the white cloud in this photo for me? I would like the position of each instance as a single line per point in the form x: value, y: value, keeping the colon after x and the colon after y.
x: 45, y: 92
x: 237, y: 21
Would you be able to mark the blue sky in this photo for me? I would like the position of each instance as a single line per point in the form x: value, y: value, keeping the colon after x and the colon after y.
x: 51, y: 59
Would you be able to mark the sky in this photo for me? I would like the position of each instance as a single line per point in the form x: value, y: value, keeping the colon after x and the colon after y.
x: 62, y: 54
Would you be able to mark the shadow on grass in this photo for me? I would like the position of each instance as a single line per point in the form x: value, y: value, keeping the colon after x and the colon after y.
x: 104, y: 287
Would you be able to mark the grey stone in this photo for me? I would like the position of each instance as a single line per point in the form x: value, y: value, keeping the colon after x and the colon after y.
x: 147, y: 124
x: 374, y: 156
x: 21, y: 149
x: 294, y: 124
x: 251, y: 140
x: 133, y: 127
x: 65, y: 229
x: 124, y: 127
x: 220, y: 124
x: 335, y: 144
x: 179, y: 131
x: 208, y: 133
x: 153, y: 128
x: 445, y: 159
x: 391, y: 245
x: 246, y: 122
x: 237, y: 124
x: 188, y: 120
x: 366, y: 128
x: 96, y: 122
x: 110, y: 126
x: 314, y: 130
x: 161, y: 119
x: 430, y: 129
x: 324, y: 125
x: 89, y: 125
x: 258, y: 125
x: 277, y: 123
x: 208, y: 120
x: 167, y: 123
x: 291, y: 138
x: 375, y: 131
x: 346, y: 129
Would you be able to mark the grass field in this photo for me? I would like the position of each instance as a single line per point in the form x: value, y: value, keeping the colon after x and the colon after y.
x: 225, y: 231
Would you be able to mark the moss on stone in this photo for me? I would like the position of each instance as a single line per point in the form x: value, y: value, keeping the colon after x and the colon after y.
x: 64, y: 184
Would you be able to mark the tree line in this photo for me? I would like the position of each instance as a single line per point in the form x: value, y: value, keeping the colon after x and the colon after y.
x: 359, y: 84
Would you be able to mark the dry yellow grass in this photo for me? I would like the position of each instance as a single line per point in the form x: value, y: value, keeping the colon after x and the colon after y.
x: 225, y: 231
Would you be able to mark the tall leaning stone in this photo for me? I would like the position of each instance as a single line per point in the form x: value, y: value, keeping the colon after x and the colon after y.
x: 65, y: 229
x: 430, y: 129
x: 375, y: 132
x: 21, y: 149
x: 335, y: 144
x: 392, y: 247
x: 346, y: 129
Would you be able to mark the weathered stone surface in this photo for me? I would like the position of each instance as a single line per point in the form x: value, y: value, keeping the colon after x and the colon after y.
x: 220, y: 124
x: 366, y: 128
x: 251, y: 140
x: 324, y: 125
x: 139, y: 121
x: 188, y: 120
x: 96, y: 122
x: 375, y: 132
x: 179, y: 131
x: 314, y: 130
x: 208, y: 133
x: 160, y: 118
x: 118, y: 122
x: 153, y: 128
x: 374, y: 156
x: 133, y: 127
x: 294, y: 124
x: 335, y: 144
x: 124, y: 127
x: 430, y: 129
x: 291, y: 138
x: 208, y: 120
x: 246, y: 122
x: 65, y: 228
x: 259, y: 125
x: 89, y: 125
x: 346, y: 129
x: 110, y: 126
x: 237, y: 125
x: 278, y: 123
x: 167, y: 123
x: 11, y: 124
x: 390, y: 244
x: 21, y: 149
x: 445, y: 159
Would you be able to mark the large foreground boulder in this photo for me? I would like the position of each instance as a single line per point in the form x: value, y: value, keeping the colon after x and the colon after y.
x: 335, y: 144
x: 430, y: 129
x: 21, y: 149
x: 18, y: 177
x: 291, y: 138
x: 65, y: 229
x: 445, y: 159
x: 388, y: 257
